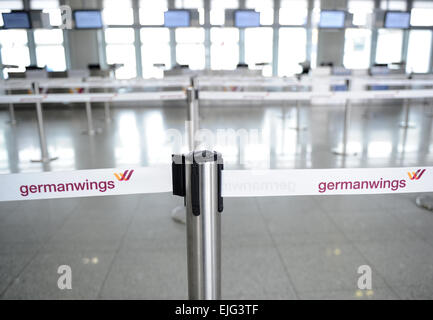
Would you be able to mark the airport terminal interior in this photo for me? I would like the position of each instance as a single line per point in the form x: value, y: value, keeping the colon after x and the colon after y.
x: 270, y: 85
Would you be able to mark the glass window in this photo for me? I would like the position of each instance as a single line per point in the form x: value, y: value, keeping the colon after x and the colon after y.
x: 293, y: 12
x: 152, y: 12
x: 49, y: 49
x: 224, y: 48
x: 120, y: 49
x: 190, y: 47
x: 357, y: 48
x: 422, y: 13
x: 421, y: 17
x: 191, y: 4
x: 289, y: 56
x: 361, y: 10
x: 389, y: 45
x: 14, y: 49
x: 7, y: 6
x: 51, y: 7
x: 258, y: 48
x: 118, y: 12
x: 266, y: 9
x: 155, y: 49
x: 217, y: 11
x: 418, y: 54
x: 119, y: 35
x: 393, y: 5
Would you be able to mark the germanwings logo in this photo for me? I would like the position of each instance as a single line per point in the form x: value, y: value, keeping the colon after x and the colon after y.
x: 124, y: 176
x: 416, y: 175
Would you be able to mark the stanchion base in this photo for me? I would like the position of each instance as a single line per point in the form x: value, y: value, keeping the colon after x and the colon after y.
x: 425, y: 202
x: 298, y: 128
x: 178, y: 214
x: 45, y: 160
x: 341, y: 152
x: 407, y: 125
x: 93, y: 132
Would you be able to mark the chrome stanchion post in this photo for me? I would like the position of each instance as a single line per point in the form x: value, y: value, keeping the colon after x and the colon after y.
x: 298, y: 126
x: 197, y: 177
x: 343, y: 151
x: 90, y: 130
x: 178, y: 214
x: 107, y: 110
x: 406, y: 109
x: 192, y: 116
x: 41, y: 130
x: 12, y: 120
x: 425, y: 202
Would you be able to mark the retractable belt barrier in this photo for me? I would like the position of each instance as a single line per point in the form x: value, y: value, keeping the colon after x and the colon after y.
x: 307, y: 95
x: 235, y: 183
x: 92, y: 97
x: 199, y: 177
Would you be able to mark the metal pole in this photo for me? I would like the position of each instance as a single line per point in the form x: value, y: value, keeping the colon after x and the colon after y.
x: 298, y: 126
x: 343, y: 151
x: 203, y: 223
x: 298, y: 109
x: 41, y: 130
x: 107, y: 110
x: 178, y: 214
x: 90, y: 130
x: 192, y: 116
x: 406, y: 109
x: 12, y: 120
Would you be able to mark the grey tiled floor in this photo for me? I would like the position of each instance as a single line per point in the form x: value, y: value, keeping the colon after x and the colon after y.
x: 273, y: 248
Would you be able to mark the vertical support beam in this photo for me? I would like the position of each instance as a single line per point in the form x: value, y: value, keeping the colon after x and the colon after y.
x: 374, y: 36
x: 406, y: 34
x: 137, y: 41
x: 170, y: 4
x: 207, y: 39
x: 431, y: 53
x: 30, y: 36
x: 242, y: 37
x: 276, y: 38
x: 309, y: 30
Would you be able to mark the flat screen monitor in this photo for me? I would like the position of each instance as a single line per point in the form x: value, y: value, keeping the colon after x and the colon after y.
x: 332, y: 19
x: 177, y: 18
x: 247, y: 19
x: 16, y: 20
x: 397, y: 20
x: 88, y: 19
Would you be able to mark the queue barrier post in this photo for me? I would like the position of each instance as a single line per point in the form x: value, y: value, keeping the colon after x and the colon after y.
x: 91, y: 131
x: 298, y: 126
x: 12, y: 119
x: 45, y: 157
x: 178, y: 214
x: 425, y: 202
x: 343, y: 150
x: 192, y: 116
x: 107, y: 112
x: 406, y: 110
x: 197, y: 177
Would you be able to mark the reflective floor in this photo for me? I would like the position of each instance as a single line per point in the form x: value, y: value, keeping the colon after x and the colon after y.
x: 273, y: 248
